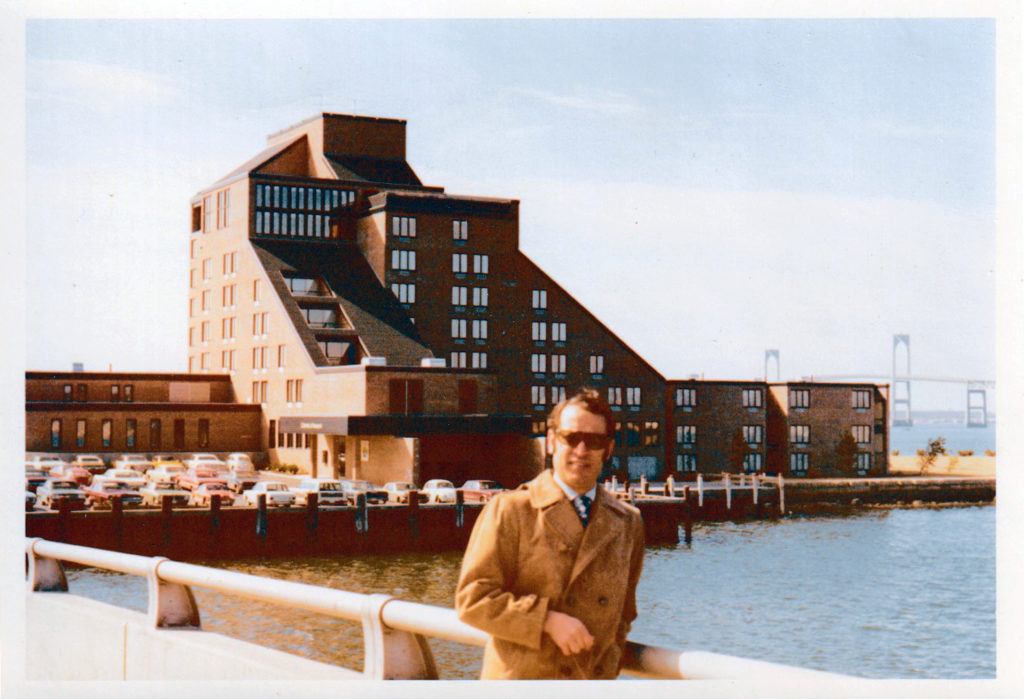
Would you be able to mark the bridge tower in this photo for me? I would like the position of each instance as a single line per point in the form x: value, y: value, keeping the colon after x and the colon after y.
x: 977, y: 410
x: 769, y: 354
x: 901, y: 413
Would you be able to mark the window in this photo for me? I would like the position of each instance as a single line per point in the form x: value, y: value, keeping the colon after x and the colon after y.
x: 479, y: 360
x: 405, y: 396
x: 480, y: 329
x: 557, y: 394
x: 272, y: 434
x: 538, y: 363
x: 207, y: 268
x: 227, y: 328
x: 256, y: 290
x: 403, y: 260
x: 207, y: 215
x: 686, y: 397
x: 280, y: 356
x: 107, y: 431
x: 460, y: 230
x: 632, y: 434
x: 128, y: 394
x: 686, y: 463
x: 259, y: 357
x: 193, y: 248
x: 800, y: 434
x: 227, y: 295
x: 405, y: 293
x: 55, y: 433
x: 155, y: 437
x: 753, y: 434
x: 68, y: 392
x: 752, y: 398
x: 652, y: 433
x: 800, y: 398
x: 204, y: 361
x: 259, y: 391
x: 538, y: 395
x: 633, y: 395
x: 192, y: 307
x: 752, y: 463
x: 540, y: 298
x: 261, y: 323
x: 404, y: 226
x: 863, y: 463
x: 458, y: 328
x: 861, y: 398
x: 228, y: 262
x: 558, y: 363
x: 130, y: 426
x: 192, y: 278
x: 80, y: 433
x: 204, y: 303
x: 686, y: 434
x: 614, y: 395
x: 862, y: 434
x: 293, y: 391
x: 227, y: 360
x: 115, y: 393
x: 204, y: 433
x: 558, y: 332
x: 320, y: 317
x: 798, y: 464
x: 336, y: 349
x: 480, y: 264
x: 459, y: 262
x: 204, y: 334
x: 597, y: 364
x: 479, y: 295
x: 459, y: 295
x: 458, y: 360
x: 223, y: 207
x: 539, y: 331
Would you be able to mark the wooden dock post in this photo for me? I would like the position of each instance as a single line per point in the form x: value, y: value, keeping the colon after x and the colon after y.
x: 728, y: 492
x: 670, y: 486
x: 782, y: 495
x: 644, y: 487
x: 754, y: 486
x: 700, y: 490
x: 615, y: 484
x: 687, y: 517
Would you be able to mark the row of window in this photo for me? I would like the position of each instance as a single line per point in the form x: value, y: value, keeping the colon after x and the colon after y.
x: 687, y: 434
x: 539, y: 331
x: 306, y: 198
x: 638, y: 434
x: 460, y: 263
x: 477, y: 326
x: 306, y: 286
x: 632, y: 396
x: 118, y: 392
x: 860, y: 398
x: 207, y: 218
x: 405, y: 227
x: 752, y: 462
x: 801, y: 434
x: 539, y: 363
x: 131, y: 433
x: 478, y: 360
x: 539, y: 394
x: 305, y: 225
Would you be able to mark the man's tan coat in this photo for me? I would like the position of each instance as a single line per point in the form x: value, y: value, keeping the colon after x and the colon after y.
x: 529, y: 553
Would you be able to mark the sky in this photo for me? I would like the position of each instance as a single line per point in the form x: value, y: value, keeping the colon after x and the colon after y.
x: 708, y: 188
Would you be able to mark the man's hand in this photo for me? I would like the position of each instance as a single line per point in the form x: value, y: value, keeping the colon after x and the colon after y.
x: 568, y: 633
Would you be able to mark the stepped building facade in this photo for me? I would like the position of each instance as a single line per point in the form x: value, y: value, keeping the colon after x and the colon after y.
x: 390, y: 330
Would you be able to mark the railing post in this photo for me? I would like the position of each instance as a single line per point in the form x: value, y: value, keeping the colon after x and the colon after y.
x: 362, y: 521
x: 728, y: 492
x: 643, y: 484
x: 754, y: 486
x: 670, y: 486
x: 615, y: 484
x: 782, y: 495
x: 44, y: 574
x: 261, y: 515
x: 460, y: 506
x: 700, y: 490
x: 170, y: 605
x: 390, y: 654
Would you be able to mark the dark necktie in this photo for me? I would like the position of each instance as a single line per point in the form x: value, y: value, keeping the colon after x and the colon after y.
x: 582, y: 505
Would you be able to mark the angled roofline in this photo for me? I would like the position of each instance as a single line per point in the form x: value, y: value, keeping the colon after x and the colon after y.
x: 332, y: 115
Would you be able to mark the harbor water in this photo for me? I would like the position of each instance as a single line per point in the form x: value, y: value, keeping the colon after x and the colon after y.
x: 905, y: 593
x: 958, y: 437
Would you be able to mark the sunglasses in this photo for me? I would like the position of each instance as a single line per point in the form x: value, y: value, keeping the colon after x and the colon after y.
x: 593, y: 441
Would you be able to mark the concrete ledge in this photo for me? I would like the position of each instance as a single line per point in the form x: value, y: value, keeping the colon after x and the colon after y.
x: 75, y: 638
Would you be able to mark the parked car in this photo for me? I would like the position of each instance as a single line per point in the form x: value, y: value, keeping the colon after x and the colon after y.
x: 132, y: 479
x: 439, y: 490
x: 328, y: 491
x: 238, y: 461
x: 195, y: 477
x: 70, y: 472
x: 30, y: 501
x: 153, y: 494
x: 480, y: 491
x: 205, y: 461
x: 90, y: 462
x: 159, y: 460
x: 33, y: 479
x: 352, y: 489
x: 102, y: 494
x: 207, y: 492
x: 136, y: 462
x: 166, y: 471
x: 51, y: 493
x: 277, y: 494
x: 45, y: 463
x: 398, y: 491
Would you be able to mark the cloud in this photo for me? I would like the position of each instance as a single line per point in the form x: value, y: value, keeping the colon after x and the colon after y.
x: 103, y: 87
x: 604, y: 102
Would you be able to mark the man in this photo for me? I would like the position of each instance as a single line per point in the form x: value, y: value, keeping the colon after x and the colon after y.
x: 552, y: 581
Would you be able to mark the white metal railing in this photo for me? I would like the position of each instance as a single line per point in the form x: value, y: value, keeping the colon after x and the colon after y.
x: 726, y: 482
x: 394, y: 630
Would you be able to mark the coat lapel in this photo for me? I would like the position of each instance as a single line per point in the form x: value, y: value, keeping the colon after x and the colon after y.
x: 556, y: 511
x: 605, y: 526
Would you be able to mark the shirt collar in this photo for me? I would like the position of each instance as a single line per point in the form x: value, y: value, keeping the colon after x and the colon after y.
x: 569, y: 492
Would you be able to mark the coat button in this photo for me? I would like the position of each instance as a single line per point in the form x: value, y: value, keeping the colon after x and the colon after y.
x: 603, y: 601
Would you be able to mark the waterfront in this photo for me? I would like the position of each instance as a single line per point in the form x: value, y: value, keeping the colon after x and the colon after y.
x: 887, y: 593
x: 958, y: 437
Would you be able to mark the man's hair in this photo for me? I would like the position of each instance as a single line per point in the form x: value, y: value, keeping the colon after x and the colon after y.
x: 590, y: 400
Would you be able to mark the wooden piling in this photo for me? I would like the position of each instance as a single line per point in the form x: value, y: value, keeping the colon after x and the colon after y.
x: 728, y: 493
x: 687, y: 517
x: 782, y: 495
x: 700, y: 490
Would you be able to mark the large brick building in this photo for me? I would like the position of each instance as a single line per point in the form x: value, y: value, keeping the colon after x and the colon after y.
x: 388, y: 328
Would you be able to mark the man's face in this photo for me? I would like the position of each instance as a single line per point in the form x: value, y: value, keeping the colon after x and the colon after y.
x: 578, y: 466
